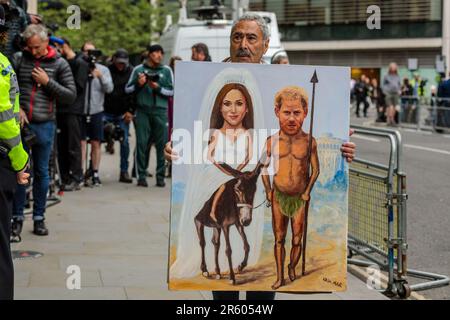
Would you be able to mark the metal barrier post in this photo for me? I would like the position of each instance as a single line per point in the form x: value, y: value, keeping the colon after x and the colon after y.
x: 418, y: 115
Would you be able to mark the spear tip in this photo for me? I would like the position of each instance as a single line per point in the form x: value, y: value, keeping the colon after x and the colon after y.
x: 314, y: 78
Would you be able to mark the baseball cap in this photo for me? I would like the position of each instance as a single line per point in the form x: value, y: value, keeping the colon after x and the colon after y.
x: 3, y: 26
x: 155, y: 47
x: 121, y: 56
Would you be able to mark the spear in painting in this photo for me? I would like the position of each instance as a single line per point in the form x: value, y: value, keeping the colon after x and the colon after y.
x: 314, y: 81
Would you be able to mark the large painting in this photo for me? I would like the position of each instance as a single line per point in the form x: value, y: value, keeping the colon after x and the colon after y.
x: 260, y: 189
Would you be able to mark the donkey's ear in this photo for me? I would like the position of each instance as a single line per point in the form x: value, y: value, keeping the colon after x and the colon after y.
x: 257, y: 169
x: 233, y: 172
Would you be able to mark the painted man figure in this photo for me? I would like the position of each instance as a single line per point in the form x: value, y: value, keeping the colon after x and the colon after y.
x: 292, y: 181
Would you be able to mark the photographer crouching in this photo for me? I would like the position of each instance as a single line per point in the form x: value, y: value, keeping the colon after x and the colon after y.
x: 119, y: 111
x: 152, y: 84
x: 44, y: 79
x: 99, y: 84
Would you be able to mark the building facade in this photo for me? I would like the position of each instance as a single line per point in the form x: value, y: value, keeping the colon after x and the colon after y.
x: 335, y: 32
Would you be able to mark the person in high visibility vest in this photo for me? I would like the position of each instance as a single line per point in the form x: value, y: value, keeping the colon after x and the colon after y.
x: 13, y: 162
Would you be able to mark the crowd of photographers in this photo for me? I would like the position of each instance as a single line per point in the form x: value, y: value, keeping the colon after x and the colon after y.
x: 70, y: 103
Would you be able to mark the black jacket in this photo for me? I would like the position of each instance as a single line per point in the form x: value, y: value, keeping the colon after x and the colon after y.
x: 361, y: 90
x: 38, y: 101
x: 444, y: 92
x: 80, y: 71
x: 118, y: 102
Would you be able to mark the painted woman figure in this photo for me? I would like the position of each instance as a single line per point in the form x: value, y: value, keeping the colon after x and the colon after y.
x: 230, y: 141
x: 229, y: 110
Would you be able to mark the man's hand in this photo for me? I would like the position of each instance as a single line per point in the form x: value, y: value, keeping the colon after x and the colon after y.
x: 305, y: 196
x: 348, y: 149
x: 127, y: 117
x: 142, y: 79
x: 35, y: 19
x: 97, y: 73
x: 23, y: 118
x: 169, y: 154
x: 40, y: 76
x: 153, y: 85
x: 22, y: 177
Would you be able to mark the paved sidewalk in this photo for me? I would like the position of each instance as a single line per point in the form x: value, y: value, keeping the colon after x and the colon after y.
x: 118, y: 235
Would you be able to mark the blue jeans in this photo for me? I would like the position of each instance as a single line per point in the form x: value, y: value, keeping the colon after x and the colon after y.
x: 124, y: 146
x: 40, y: 153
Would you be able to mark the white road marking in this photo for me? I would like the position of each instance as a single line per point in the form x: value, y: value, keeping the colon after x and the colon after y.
x: 425, y: 133
x: 411, y: 146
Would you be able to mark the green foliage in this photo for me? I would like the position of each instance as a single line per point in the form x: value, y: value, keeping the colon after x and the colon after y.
x: 110, y: 24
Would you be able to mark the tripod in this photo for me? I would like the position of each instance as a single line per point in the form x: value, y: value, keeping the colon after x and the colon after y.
x: 88, y: 173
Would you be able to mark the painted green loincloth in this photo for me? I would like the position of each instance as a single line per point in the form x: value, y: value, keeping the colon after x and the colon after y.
x: 289, y: 204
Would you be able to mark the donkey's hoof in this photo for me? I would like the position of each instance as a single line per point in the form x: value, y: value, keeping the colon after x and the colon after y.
x: 233, y: 282
x: 217, y: 276
x: 205, y: 274
x: 241, y: 267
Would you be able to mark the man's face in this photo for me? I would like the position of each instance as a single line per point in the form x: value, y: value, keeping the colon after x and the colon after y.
x: 62, y: 49
x: 37, y: 47
x: 59, y: 48
x: 120, y: 66
x: 291, y: 116
x: 247, y: 43
x: 197, y: 55
x: 156, y: 57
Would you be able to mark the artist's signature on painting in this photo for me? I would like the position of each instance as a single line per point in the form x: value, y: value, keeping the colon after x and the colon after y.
x: 335, y: 283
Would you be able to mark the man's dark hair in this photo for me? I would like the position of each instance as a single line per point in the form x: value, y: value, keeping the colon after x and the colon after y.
x: 66, y: 41
x: 203, y: 48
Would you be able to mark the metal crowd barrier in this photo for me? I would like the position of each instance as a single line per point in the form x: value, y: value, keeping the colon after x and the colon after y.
x: 429, y: 113
x: 378, y: 217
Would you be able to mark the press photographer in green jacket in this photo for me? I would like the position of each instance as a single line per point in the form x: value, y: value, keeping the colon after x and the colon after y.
x: 152, y: 85
x: 13, y: 161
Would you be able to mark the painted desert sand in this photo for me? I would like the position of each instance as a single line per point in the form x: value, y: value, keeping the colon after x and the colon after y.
x: 325, y: 271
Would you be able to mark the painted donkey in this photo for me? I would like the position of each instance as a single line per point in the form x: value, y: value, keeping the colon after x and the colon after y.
x: 234, y: 207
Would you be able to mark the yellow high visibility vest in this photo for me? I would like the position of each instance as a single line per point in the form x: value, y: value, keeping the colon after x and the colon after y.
x: 9, y: 115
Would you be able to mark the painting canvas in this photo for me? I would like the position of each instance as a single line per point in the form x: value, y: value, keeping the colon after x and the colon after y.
x: 260, y: 188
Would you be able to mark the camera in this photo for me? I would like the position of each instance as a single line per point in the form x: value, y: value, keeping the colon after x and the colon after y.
x: 149, y: 76
x: 92, y: 58
x: 113, y: 132
x: 28, y: 136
